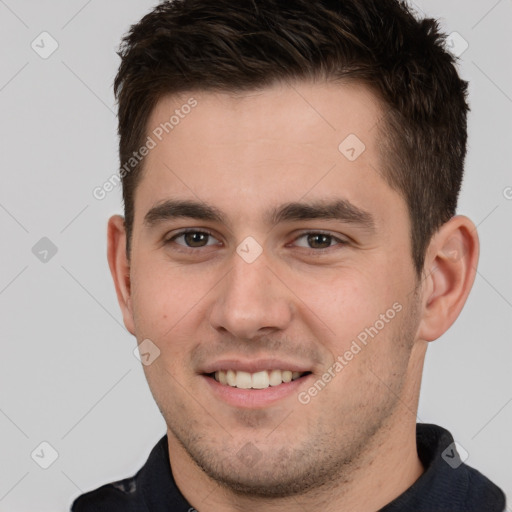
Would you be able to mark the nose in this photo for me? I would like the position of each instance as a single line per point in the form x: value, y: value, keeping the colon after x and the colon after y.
x: 251, y: 301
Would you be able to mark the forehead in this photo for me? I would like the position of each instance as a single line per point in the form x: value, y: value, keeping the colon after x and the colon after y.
x: 247, y: 150
x: 296, y: 112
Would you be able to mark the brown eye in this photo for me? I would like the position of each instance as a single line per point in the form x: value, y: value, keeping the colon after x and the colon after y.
x: 315, y: 240
x: 319, y: 241
x: 193, y: 239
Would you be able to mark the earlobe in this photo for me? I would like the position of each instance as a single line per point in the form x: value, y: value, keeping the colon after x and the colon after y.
x: 451, y: 264
x: 120, y: 268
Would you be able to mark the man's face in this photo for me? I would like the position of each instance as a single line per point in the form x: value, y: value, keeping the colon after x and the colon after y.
x: 268, y: 286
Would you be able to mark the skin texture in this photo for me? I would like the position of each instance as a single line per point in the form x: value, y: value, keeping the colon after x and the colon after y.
x: 352, y: 447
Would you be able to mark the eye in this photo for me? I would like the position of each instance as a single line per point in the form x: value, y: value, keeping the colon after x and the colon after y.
x: 318, y: 240
x: 193, y: 239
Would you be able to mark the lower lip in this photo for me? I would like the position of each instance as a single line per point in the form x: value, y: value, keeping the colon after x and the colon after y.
x: 255, y: 398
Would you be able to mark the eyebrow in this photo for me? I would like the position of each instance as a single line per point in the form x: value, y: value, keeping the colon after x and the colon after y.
x: 338, y: 209
x: 175, y: 209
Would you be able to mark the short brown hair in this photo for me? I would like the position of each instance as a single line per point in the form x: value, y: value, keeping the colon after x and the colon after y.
x: 233, y: 46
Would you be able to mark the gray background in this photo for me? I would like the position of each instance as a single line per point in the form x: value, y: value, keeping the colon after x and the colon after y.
x: 68, y: 375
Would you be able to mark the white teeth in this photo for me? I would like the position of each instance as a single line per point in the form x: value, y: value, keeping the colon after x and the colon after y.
x: 230, y: 378
x: 221, y: 376
x: 258, y: 380
x: 243, y: 380
x: 275, y: 378
x: 287, y: 376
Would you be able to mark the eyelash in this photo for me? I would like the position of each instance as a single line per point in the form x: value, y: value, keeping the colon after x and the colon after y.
x: 209, y: 233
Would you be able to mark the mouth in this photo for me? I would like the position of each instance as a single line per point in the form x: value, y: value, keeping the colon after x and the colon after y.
x: 255, y: 383
x: 259, y: 380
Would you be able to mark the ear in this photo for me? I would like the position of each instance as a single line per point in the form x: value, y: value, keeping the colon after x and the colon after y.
x: 450, y: 269
x: 120, y: 268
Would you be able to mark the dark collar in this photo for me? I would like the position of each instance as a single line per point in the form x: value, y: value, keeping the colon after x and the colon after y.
x: 447, y: 485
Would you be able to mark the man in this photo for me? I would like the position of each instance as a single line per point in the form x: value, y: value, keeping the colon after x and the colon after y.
x: 289, y: 248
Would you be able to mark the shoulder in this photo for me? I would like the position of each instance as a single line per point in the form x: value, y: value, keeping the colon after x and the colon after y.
x: 447, y: 484
x: 462, y: 486
x: 122, y: 495
x: 127, y: 495
x: 480, y: 490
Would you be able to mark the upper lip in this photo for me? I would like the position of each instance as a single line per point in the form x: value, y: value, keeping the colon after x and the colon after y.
x: 254, y: 366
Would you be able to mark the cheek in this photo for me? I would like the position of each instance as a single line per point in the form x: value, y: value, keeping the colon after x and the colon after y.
x: 356, y: 318
x: 152, y: 304
x: 163, y: 294
x: 344, y: 303
x: 169, y: 306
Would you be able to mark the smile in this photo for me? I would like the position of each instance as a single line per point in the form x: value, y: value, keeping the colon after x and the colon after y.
x: 258, y: 380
